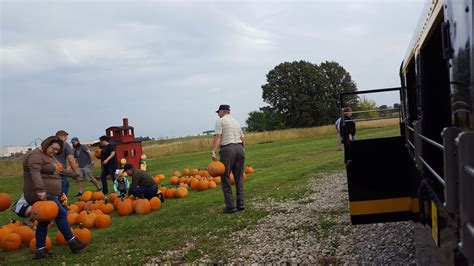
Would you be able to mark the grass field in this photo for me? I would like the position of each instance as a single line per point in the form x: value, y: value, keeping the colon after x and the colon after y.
x: 282, y: 169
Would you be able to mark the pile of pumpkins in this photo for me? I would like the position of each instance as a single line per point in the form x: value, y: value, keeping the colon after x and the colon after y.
x: 14, y: 234
x: 195, y: 179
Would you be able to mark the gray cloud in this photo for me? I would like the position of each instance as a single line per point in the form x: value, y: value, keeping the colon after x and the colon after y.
x: 82, y: 66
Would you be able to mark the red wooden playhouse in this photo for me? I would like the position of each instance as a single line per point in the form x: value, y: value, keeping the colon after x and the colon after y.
x: 126, y: 147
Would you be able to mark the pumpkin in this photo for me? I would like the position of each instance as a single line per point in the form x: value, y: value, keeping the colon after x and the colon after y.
x: 163, y: 189
x: 44, y: 210
x: 184, y: 185
x: 142, y: 207
x: 181, y: 192
x: 181, y: 180
x: 211, y: 184
x: 156, y: 179
x: 155, y: 203
x: 12, y: 225
x: 124, y: 208
x: 87, y: 219
x: 217, y: 180
x: 174, y: 180
x: 194, y: 171
x: 202, y: 185
x: 11, y: 241
x: 81, y: 205
x: 99, y: 195
x: 112, y: 196
x: 86, y: 196
x: 176, y: 173
x: 60, y: 240
x: 97, y: 211
x: 107, y: 208
x: 170, y: 193
x: 186, y: 171
x: 98, y: 153
x: 216, y: 168
x: 25, y: 233
x: 102, y: 221
x: 249, y: 170
x: 91, y: 205
x: 74, y: 208
x: 231, y: 178
x: 161, y: 176
x: 49, y: 244
x: 72, y: 217
x: 83, y: 234
x: 194, y: 183
x: 5, y: 201
x: 5, y: 231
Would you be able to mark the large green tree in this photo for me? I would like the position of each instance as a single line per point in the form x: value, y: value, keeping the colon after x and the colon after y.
x: 307, y: 94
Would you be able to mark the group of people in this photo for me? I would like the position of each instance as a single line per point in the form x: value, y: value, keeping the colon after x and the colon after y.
x: 46, y: 175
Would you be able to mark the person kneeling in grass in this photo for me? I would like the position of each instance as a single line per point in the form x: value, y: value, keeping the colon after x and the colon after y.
x: 121, y: 184
x: 142, y: 185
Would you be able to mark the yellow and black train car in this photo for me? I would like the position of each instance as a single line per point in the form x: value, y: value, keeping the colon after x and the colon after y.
x: 426, y: 174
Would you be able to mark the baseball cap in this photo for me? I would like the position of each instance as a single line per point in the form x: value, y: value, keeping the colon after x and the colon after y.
x: 223, y: 107
x: 61, y: 133
x: 75, y: 139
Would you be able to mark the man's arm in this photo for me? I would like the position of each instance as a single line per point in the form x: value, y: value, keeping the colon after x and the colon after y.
x: 215, y: 145
x: 72, y: 162
x: 112, y: 155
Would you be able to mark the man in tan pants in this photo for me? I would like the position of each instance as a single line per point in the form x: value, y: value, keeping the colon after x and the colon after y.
x: 230, y: 138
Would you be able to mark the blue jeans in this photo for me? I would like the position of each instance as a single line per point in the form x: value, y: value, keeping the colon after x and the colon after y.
x: 61, y: 223
x: 144, y: 192
x: 64, y: 184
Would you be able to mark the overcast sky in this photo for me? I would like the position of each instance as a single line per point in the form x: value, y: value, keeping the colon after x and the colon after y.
x: 83, y: 65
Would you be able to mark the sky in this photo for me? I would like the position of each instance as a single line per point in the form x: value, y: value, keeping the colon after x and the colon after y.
x: 167, y: 65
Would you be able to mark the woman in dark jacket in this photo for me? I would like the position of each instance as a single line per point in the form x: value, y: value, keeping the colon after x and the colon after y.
x: 42, y: 181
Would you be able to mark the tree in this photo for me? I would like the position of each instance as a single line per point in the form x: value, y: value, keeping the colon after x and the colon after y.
x: 264, y: 120
x: 366, y: 104
x: 307, y: 94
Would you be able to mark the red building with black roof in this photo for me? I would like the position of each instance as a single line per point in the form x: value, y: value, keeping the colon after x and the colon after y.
x: 126, y: 147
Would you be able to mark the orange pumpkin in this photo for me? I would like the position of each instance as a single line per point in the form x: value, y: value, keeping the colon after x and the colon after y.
x: 186, y: 171
x: 60, y: 240
x: 181, y: 192
x: 81, y: 205
x: 156, y: 179
x: 5, y: 231
x: 194, y: 171
x: 99, y: 195
x: 202, y: 185
x: 174, y: 180
x: 249, y: 170
x: 142, y: 207
x: 102, y: 221
x: 97, y: 211
x: 181, y: 180
x: 49, y: 244
x: 112, y: 196
x: 5, y: 201
x: 25, y: 233
x: 170, y: 193
x: 87, y: 219
x: 86, y: 196
x: 83, y: 234
x: 74, y: 208
x: 11, y: 241
x: 107, y: 208
x: 217, y: 180
x: 124, y: 208
x: 155, y: 203
x: 216, y: 168
x: 98, y: 153
x: 211, y: 184
x: 44, y: 210
x: 161, y: 176
x: 194, y: 183
x: 163, y: 189
x: 176, y: 173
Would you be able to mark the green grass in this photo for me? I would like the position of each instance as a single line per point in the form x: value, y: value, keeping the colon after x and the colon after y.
x: 282, y: 170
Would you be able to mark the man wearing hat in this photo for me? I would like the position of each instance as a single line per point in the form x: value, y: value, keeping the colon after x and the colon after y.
x: 85, y: 159
x: 142, y: 185
x: 66, y: 156
x: 230, y: 139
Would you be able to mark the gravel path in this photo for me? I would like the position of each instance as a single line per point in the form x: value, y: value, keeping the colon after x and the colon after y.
x: 317, y: 229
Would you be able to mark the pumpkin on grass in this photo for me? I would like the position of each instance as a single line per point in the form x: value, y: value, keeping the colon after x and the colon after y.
x: 44, y: 210
x: 5, y: 201
x: 99, y: 195
x: 211, y: 184
x: 60, y: 240
x: 87, y: 219
x: 102, y: 221
x: 5, y: 231
x: 170, y: 193
x: 124, y: 207
x: 98, y: 153
x: 155, y: 203
x: 25, y: 233
x: 112, y: 196
x: 202, y: 185
x: 86, y: 196
x: 49, y: 244
x: 107, y: 208
x: 142, y: 207
x: 249, y: 170
x: 11, y: 241
x: 83, y: 234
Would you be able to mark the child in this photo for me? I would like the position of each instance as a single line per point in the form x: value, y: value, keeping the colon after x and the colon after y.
x: 23, y: 210
x: 121, y: 184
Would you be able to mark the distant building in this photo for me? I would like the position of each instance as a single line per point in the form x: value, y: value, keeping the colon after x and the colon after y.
x: 14, y: 150
x: 209, y: 132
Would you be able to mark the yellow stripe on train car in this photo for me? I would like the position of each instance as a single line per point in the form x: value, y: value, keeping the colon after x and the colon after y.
x: 366, y: 207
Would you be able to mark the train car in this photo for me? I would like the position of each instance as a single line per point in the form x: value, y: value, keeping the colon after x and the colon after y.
x: 426, y: 173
